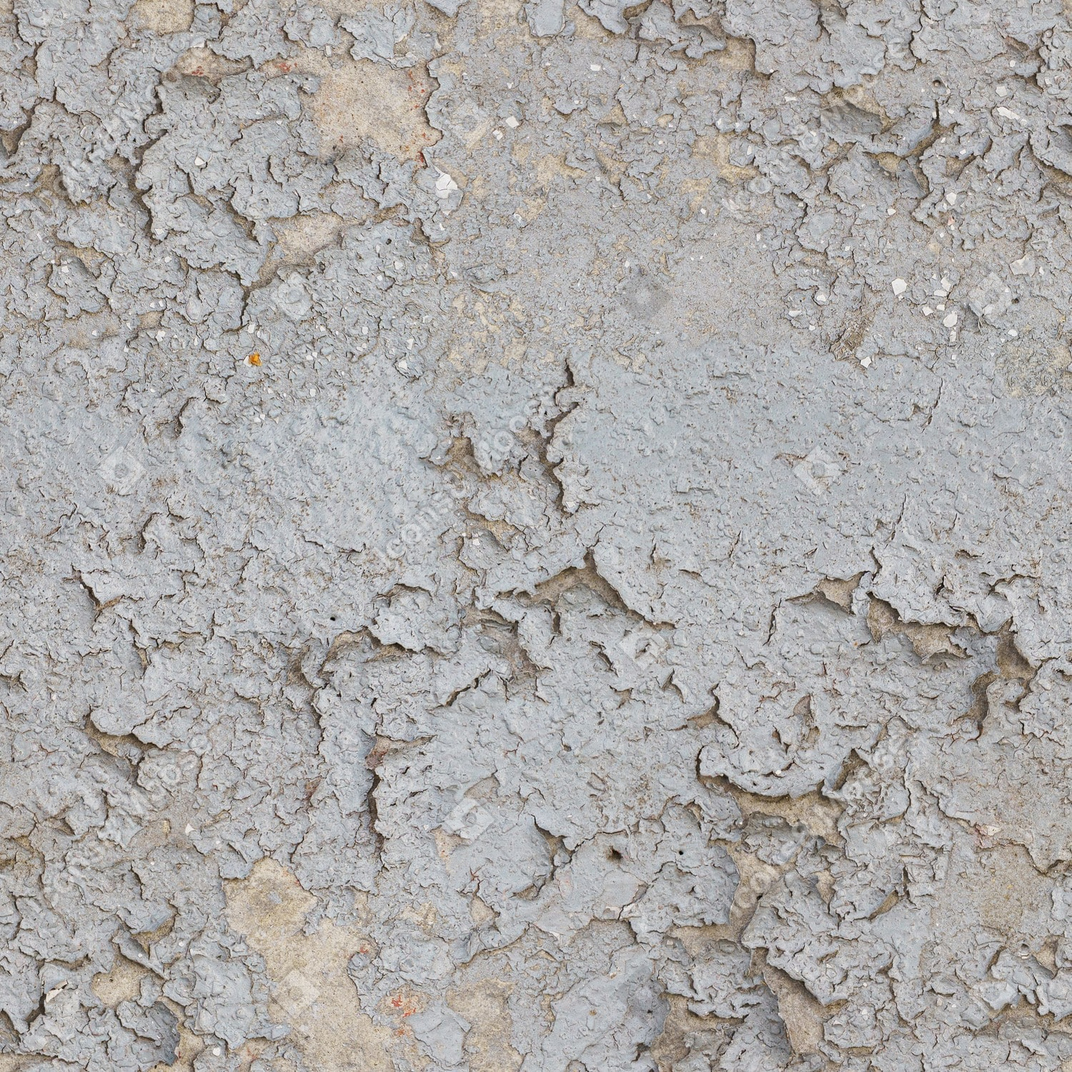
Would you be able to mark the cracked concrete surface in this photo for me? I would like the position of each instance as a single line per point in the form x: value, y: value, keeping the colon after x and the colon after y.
x: 535, y: 536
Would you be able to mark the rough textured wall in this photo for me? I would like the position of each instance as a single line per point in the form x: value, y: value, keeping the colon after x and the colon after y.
x: 535, y: 537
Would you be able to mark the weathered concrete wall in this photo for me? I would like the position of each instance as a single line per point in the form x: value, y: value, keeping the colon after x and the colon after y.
x: 535, y: 537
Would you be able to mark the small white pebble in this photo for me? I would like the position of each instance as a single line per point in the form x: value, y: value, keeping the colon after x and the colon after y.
x: 511, y: 122
x: 899, y: 287
x: 951, y: 320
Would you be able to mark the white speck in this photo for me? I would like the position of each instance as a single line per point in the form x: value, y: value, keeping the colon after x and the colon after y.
x: 445, y: 185
x: 821, y: 299
x: 927, y: 310
x: 1013, y: 333
x: 594, y: 67
x: 866, y: 362
x: 498, y: 135
x: 951, y: 320
x: 198, y: 162
x: 951, y: 197
x: 891, y: 212
x: 899, y: 287
x: 511, y: 122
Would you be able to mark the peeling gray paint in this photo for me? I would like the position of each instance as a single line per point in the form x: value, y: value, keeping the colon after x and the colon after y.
x: 535, y: 537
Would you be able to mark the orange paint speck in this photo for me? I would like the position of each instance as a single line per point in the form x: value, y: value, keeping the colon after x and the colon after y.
x: 254, y: 358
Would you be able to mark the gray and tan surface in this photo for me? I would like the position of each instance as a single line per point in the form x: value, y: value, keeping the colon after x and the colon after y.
x: 535, y: 537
